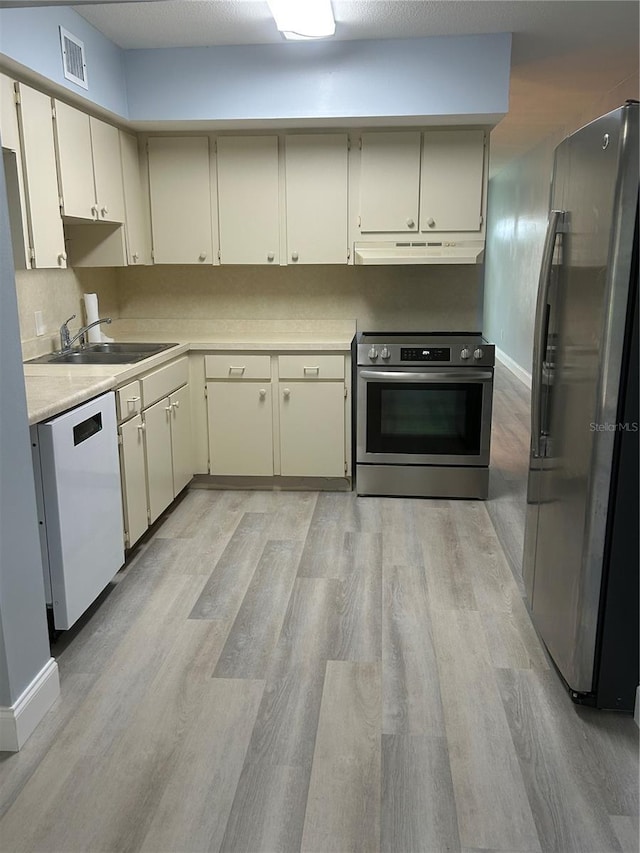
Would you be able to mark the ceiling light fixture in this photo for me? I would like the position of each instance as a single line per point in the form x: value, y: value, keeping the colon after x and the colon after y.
x: 303, y: 19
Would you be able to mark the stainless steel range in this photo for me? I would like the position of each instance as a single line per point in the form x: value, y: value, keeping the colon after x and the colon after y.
x: 423, y: 414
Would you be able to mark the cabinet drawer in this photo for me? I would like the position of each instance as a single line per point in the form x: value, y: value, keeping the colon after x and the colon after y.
x: 164, y: 380
x: 311, y: 366
x: 129, y: 400
x: 240, y: 366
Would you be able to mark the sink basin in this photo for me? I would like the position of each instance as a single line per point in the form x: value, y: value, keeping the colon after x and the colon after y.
x: 107, y: 353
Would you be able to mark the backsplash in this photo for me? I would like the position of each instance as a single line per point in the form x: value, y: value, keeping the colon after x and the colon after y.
x: 58, y: 294
x: 428, y: 297
x: 396, y: 297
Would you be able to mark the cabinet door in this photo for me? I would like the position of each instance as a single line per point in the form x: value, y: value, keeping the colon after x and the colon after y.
x: 389, y: 181
x: 75, y: 162
x: 316, y: 193
x: 107, y: 171
x: 240, y: 428
x: 134, y: 484
x: 180, y: 190
x: 452, y: 180
x: 312, y: 441
x: 180, y: 403
x: 138, y: 237
x: 248, y: 199
x: 157, y: 445
x: 41, y: 181
x: 12, y: 156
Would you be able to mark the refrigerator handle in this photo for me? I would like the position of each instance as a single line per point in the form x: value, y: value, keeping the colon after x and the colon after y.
x: 541, y: 327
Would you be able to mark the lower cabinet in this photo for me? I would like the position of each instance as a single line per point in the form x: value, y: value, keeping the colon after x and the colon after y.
x: 240, y: 428
x: 155, y: 444
x: 277, y: 414
x: 312, y: 429
x: 167, y: 444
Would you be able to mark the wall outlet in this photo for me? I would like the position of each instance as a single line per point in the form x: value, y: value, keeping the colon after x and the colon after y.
x: 39, y: 323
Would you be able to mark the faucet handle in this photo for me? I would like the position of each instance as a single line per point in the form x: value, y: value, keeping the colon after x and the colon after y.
x: 69, y: 319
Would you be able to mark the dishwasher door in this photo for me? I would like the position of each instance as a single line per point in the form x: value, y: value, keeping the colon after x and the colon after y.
x: 82, y: 505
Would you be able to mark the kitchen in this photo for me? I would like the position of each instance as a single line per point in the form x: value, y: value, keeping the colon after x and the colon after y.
x: 369, y: 294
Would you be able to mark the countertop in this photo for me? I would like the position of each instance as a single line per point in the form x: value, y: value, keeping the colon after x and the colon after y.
x: 52, y: 389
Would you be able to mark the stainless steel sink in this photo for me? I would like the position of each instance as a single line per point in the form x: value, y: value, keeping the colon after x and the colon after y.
x: 103, y: 353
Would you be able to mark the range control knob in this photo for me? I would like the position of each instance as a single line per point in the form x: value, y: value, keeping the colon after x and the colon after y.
x: 373, y: 352
x: 465, y: 354
x: 478, y: 353
x: 385, y: 352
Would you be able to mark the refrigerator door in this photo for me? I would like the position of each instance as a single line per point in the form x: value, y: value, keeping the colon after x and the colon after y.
x: 569, y: 478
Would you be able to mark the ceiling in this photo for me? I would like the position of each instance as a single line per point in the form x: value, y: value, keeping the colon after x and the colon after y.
x: 565, y: 54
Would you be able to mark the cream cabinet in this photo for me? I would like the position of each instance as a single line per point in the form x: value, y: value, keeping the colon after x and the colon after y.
x: 46, y: 236
x: 451, y: 189
x: 14, y: 177
x: 180, y: 195
x: 312, y: 402
x: 316, y: 198
x: 138, y: 238
x: 389, y: 182
x: 133, y: 479
x: 248, y: 199
x: 89, y: 166
x: 166, y: 421
x: 278, y: 415
x: 240, y: 414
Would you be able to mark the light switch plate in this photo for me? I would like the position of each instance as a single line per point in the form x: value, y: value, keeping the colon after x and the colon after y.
x: 39, y: 323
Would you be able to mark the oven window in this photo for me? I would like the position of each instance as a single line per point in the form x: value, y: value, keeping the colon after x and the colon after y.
x: 424, y: 419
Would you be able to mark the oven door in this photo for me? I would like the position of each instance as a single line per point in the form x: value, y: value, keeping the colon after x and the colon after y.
x: 429, y: 416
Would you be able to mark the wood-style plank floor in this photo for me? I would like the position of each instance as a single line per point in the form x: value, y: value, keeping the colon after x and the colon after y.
x: 320, y: 672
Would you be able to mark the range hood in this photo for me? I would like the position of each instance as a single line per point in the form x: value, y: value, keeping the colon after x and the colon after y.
x: 419, y: 252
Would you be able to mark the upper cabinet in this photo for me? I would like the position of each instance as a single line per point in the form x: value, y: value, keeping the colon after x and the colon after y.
x: 451, y: 190
x: 316, y: 198
x: 180, y: 194
x: 431, y: 182
x: 248, y: 199
x: 389, y: 182
x: 137, y: 225
x: 89, y: 166
x: 14, y: 178
x: 46, y: 236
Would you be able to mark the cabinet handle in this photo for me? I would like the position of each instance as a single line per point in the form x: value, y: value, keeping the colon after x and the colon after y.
x: 104, y: 211
x: 176, y: 405
x: 62, y: 257
x: 141, y: 427
x: 262, y: 393
x: 202, y: 256
x: 241, y: 369
x: 270, y: 256
x: 135, y: 257
x: 286, y: 393
x: 133, y: 400
x: 311, y: 369
x: 294, y: 256
x: 411, y: 222
x: 431, y: 222
x: 94, y: 211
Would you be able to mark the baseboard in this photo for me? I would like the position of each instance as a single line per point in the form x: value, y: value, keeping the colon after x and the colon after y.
x: 19, y: 721
x: 514, y: 367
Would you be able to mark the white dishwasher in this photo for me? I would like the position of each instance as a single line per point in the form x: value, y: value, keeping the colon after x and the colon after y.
x: 77, y: 475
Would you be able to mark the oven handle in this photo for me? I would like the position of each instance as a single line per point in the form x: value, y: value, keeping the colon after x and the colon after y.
x: 427, y: 376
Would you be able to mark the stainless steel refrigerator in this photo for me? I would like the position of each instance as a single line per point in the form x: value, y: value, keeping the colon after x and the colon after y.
x: 581, y: 539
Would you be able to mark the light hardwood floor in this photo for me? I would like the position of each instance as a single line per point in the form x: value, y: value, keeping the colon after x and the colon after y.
x: 320, y: 672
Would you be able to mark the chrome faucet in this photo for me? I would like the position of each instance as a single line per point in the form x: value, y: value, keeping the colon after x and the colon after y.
x: 65, y: 336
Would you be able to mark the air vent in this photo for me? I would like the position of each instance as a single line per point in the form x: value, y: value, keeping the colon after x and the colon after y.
x: 75, y: 68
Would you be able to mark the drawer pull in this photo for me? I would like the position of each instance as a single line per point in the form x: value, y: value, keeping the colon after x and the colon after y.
x: 141, y: 427
x: 133, y: 399
x: 311, y: 369
x: 241, y: 369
